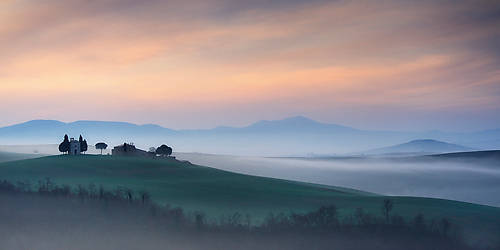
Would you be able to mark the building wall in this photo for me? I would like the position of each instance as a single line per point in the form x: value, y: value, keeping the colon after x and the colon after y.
x: 74, y: 148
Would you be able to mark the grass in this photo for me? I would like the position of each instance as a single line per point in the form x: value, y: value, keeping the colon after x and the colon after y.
x: 217, y: 192
x: 8, y: 156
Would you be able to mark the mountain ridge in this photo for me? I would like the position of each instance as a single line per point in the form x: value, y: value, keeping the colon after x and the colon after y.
x: 420, y: 146
x: 296, y: 135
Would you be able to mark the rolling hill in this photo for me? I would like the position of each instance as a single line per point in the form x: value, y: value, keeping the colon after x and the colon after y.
x: 218, y: 192
x: 8, y: 156
x: 489, y: 158
x: 426, y: 146
x: 488, y: 154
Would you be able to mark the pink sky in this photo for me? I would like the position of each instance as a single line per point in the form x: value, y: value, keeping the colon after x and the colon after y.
x: 197, y: 64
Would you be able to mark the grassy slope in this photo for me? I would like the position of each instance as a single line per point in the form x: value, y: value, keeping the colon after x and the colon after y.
x: 8, y: 156
x: 477, y: 155
x: 219, y: 192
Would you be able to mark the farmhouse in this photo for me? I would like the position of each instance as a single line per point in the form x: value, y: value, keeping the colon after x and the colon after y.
x: 130, y: 150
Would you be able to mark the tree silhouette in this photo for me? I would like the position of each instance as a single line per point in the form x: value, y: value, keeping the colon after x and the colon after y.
x: 64, y: 147
x: 145, y: 197
x: 386, y: 209
x: 164, y: 150
x: 101, y: 146
x: 445, y: 226
x: 84, y: 147
x: 83, y: 144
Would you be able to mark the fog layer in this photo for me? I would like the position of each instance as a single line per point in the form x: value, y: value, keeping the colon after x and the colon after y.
x: 451, y: 179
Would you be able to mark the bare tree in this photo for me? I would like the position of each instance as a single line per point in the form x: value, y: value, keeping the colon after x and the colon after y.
x: 445, y: 226
x: 386, y: 208
x: 145, y: 197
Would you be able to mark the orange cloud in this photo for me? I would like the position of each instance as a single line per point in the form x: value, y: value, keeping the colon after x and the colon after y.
x: 319, y: 56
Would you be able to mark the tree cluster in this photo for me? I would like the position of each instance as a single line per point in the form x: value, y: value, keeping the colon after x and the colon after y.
x: 64, y: 146
x: 164, y: 150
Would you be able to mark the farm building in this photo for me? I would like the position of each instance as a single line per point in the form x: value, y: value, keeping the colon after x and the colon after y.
x: 74, y: 147
x: 130, y: 150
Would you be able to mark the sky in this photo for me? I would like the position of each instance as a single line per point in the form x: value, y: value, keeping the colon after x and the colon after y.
x: 400, y: 65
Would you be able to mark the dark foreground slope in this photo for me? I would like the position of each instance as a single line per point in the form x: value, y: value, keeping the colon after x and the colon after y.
x: 51, y: 219
x: 218, y: 193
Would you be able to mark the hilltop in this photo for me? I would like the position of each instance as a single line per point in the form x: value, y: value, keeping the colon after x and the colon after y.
x: 179, y: 183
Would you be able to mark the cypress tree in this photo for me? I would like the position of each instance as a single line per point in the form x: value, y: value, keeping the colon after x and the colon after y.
x: 64, y: 147
x: 84, y: 146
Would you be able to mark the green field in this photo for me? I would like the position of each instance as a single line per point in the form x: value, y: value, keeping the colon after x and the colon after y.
x: 217, y: 192
x: 8, y: 156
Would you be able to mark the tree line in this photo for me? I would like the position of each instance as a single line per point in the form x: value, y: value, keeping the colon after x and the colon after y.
x: 325, y: 221
x: 64, y: 147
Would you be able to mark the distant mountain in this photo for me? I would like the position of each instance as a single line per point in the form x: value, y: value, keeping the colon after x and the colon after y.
x: 297, y: 124
x: 425, y: 146
x: 294, y: 136
x: 50, y: 131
